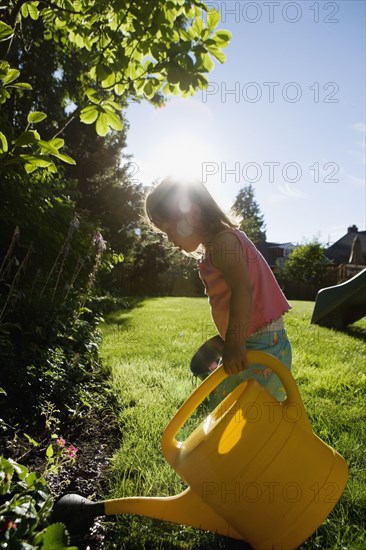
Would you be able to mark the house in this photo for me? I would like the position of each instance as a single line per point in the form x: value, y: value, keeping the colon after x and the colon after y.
x: 340, y: 251
x: 273, y: 252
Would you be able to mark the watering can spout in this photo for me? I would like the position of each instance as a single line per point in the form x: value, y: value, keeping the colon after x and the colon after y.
x: 187, y: 508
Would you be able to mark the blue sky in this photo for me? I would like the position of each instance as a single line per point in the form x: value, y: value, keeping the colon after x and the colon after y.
x: 286, y: 113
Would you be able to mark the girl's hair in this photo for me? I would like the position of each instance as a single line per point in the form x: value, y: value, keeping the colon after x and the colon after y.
x: 172, y: 197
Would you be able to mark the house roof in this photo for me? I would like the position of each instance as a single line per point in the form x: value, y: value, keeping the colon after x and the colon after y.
x: 340, y: 251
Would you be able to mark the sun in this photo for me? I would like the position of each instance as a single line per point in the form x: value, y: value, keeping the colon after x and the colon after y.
x: 183, y: 155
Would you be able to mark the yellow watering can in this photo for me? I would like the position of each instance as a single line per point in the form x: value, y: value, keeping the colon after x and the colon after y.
x: 254, y: 467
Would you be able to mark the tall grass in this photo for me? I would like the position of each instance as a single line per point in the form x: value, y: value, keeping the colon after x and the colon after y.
x: 148, y: 349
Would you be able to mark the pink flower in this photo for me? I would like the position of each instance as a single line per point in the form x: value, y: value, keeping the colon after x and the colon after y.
x: 61, y: 442
x: 71, y: 452
x: 8, y: 524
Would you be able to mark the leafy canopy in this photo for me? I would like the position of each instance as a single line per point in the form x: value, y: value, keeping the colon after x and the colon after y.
x: 131, y: 50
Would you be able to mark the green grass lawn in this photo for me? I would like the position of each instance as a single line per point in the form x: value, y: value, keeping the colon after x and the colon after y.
x: 148, y: 349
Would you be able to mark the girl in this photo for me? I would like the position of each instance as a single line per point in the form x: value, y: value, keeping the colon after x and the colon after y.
x: 246, y: 302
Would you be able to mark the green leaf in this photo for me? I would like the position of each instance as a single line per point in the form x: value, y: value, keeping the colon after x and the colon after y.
x: 47, y: 147
x: 57, y: 142
x: 31, y: 440
x: 135, y: 70
x: 103, y: 71
x: 6, y: 475
x: 24, y: 10
x: 149, y: 89
x: 60, y: 23
x: 198, y: 25
x: 102, y: 125
x: 33, y: 11
x: 119, y: 89
x: 205, y: 34
x: 222, y: 38
x: 89, y: 114
x: 52, y: 168
x: 109, y: 81
x: 117, y: 258
x: 21, y: 470
x: 116, y: 106
x: 65, y: 158
x: 4, y: 95
x: 36, y: 161
x: 3, y: 149
x: 93, y: 96
x: 213, y: 19
x: 5, y: 31
x: 79, y: 40
x: 202, y: 81
x: 36, y: 116
x: 29, y: 168
x: 29, y: 137
x: 4, y: 66
x: 49, y: 451
x: 220, y: 56
x: 204, y: 62
x: 21, y: 86
x: 11, y: 75
x: 54, y: 537
x: 31, y: 479
x: 175, y: 90
x: 114, y: 121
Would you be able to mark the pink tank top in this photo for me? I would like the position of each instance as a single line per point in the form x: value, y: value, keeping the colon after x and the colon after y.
x: 268, y: 300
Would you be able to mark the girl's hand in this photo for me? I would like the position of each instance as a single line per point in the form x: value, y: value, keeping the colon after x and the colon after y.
x: 234, y: 357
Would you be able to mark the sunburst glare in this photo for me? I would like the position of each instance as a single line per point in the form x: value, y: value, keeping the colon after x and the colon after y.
x: 182, y: 155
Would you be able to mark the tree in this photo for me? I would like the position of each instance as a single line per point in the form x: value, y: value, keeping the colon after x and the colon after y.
x: 126, y: 51
x: 103, y: 186
x: 306, y: 263
x: 252, y: 220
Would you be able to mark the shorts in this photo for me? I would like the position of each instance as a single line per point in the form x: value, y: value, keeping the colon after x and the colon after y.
x: 274, y: 342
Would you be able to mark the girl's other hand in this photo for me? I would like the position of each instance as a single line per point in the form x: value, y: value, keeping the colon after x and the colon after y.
x: 234, y: 358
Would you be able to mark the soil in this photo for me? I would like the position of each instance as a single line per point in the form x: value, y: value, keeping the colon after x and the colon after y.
x: 96, y: 436
x: 96, y: 439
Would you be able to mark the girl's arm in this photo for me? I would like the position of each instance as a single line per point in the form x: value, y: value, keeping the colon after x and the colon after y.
x: 227, y: 256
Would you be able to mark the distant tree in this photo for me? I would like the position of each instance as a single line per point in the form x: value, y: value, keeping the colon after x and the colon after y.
x: 247, y: 207
x: 306, y: 263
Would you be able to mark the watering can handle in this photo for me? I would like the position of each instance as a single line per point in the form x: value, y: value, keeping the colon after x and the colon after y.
x: 216, y: 377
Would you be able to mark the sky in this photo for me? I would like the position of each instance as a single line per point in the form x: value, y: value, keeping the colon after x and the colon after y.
x: 285, y: 113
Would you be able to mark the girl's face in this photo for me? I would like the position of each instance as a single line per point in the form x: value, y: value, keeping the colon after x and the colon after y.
x: 181, y: 232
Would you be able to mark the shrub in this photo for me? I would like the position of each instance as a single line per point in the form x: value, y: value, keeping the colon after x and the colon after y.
x: 48, y: 263
x: 25, y: 508
x: 306, y: 263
